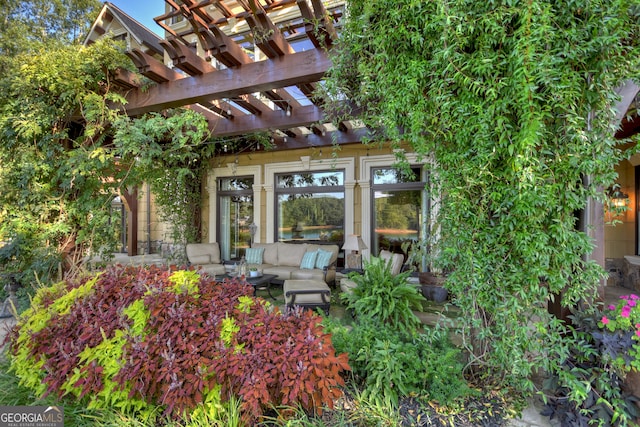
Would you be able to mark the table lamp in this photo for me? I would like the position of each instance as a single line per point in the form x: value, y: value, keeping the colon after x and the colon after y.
x: 355, y: 245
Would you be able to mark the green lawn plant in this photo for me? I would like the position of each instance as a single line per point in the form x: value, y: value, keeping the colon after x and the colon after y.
x: 392, y: 355
x: 512, y: 105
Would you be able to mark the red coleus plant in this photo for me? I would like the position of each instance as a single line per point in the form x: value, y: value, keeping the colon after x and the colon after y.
x: 182, y: 343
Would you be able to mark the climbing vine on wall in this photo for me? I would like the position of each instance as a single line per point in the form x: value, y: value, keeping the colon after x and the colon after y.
x: 513, y: 100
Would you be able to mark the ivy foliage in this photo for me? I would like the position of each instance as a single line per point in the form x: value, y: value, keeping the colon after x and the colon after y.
x: 68, y: 148
x: 514, y: 103
x: 54, y: 172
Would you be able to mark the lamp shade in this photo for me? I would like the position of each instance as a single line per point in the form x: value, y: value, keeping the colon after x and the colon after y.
x: 354, y: 242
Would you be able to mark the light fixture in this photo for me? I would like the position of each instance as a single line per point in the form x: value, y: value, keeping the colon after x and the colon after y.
x: 288, y: 111
x: 355, y: 244
x: 618, y: 198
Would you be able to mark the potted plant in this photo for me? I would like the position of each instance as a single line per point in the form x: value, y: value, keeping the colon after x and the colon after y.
x: 432, y: 282
x: 253, y: 271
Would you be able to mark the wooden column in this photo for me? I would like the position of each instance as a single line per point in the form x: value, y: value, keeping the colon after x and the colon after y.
x: 131, y: 197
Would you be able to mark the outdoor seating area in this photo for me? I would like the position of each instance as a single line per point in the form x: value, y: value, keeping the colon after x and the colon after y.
x: 285, y: 261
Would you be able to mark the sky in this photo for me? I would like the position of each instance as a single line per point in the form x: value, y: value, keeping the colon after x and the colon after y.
x: 143, y: 11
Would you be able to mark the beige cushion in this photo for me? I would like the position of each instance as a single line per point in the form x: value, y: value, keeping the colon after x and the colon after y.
x: 270, y: 255
x: 396, y: 261
x: 297, y: 285
x: 311, y: 274
x: 290, y: 254
x: 203, y: 253
x: 282, y: 271
x: 200, y: 259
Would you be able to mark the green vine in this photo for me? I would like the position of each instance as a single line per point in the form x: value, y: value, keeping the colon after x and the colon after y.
x: 514, y: 102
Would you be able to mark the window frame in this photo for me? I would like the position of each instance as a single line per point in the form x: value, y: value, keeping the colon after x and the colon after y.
x: 367, y: 163
x: 307, y: 164
x: 313, y: 189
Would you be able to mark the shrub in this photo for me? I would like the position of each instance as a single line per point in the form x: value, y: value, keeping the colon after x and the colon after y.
x: 385, y: 297
x: 391, y: 364
x: 138, y: 339
x: 589, y: 384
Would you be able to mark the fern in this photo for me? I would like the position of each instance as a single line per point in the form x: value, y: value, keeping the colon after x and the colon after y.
x: 383, y: 296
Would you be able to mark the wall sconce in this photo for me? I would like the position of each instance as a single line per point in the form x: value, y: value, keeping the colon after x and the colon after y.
x: 354, y: 244
x: 617, y: 197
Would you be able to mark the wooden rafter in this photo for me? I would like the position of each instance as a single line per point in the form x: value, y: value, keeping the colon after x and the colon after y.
x: 245, y: 95
x: 152, y: 68
x: 185, y: 58
x: 267, y: 36
x: 220, y: 46
x: 318, y: 26
x: 289, y: 70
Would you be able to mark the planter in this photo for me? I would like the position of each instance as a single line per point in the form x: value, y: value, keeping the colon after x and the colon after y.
x: 435, y: 293
x: 429, y: 278
x: 254, y: 273
x: 631, y: 385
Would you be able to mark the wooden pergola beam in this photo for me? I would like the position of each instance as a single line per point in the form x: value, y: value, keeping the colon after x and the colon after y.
x: 297, y: 68
x: 318, y: 141
x: 152, y: 68
x: 249, y: 123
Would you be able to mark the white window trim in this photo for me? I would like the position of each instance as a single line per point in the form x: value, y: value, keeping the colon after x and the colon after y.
x: 305, y: 164
x: 230, y: 171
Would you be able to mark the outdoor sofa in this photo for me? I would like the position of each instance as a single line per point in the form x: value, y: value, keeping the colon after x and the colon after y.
x: 287, y: 261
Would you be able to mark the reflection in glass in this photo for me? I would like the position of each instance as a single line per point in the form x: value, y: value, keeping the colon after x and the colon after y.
x: 400, y: 206
x: 310, y: 206
x: 235, y: 215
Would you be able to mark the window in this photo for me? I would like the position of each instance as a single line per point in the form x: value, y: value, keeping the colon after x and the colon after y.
x: 235, y: 215
x: 310, y: 206
x: 399, y: 207
x: 177, y: 18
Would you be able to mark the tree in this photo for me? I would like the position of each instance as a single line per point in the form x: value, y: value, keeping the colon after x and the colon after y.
x: 27, y: 25
x: 514, y: 102
x: 67, y: 150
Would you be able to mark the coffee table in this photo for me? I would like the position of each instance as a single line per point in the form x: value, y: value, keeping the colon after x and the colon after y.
x: 262, y: 282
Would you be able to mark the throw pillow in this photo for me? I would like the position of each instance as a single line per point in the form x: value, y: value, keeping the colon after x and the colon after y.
x: 323, y: 259
x: 254, y: 255
x: 308, y: 260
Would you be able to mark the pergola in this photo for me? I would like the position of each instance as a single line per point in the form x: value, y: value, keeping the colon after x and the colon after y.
x: 248, y: 66
x: 235, y: 62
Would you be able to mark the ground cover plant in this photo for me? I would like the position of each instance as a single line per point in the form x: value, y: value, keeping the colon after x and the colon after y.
x: 155, y: 343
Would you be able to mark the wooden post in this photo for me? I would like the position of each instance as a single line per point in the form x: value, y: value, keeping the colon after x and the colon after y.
x: 131, y: 197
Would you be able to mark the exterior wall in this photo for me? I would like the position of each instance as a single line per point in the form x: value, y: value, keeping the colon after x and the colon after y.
x: 151, y: 231
x: 620, y: 238
x: 356, y: 159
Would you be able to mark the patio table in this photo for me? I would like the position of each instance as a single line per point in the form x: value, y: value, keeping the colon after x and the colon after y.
x: 262, y: 282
